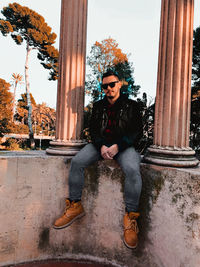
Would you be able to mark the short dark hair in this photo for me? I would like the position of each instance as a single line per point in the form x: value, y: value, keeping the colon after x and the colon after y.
x: 110, y: 73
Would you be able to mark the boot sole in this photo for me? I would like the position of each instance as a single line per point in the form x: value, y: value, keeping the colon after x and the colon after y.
x: 69, y: 223
x: 128, y: 246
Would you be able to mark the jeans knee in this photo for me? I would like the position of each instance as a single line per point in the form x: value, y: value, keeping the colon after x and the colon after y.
x: 75, y: 163
x: 76, y: 171
x: 133, y: 174
x: 131, y: 169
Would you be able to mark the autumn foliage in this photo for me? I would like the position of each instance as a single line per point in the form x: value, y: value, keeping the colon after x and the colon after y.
x: 112, y: 54
x: 43, y: 118
x: 6, y: 99
x: 106, y: 55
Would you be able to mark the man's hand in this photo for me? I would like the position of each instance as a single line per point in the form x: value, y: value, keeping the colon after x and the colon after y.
x: 113, y: 150
x: 109, y: 152
x: 104, y: 152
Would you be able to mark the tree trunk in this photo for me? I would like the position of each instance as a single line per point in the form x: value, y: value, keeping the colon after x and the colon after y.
x: 29, y: 106
x: 14, y: 101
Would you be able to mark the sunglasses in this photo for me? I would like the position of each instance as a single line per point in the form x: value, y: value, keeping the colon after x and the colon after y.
x: 111, y: 85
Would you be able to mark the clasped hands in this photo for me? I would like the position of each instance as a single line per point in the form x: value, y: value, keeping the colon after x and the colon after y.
x: 109, y: 152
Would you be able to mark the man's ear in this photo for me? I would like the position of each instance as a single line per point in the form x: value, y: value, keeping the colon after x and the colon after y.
x: 120, y: 83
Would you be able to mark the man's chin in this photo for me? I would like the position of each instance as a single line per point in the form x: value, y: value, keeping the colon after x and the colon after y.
x: 110, y: 96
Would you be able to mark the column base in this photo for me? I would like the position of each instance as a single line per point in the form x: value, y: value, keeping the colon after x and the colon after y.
x: 65, y: 148
x: 170, y: 156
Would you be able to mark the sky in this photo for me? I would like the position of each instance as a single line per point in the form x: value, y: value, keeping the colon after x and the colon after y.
x: 133, y: 24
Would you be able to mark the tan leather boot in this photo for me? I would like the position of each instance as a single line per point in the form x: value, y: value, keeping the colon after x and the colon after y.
x: 131, y: 229
x: 73, y: 211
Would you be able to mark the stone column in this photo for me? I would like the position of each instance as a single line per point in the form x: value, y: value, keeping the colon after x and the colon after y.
x: 70, y: 94
x: 173, y: 97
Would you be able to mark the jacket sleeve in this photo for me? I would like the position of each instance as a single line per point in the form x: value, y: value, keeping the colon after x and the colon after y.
x: 134, y: 129
x: 95, y: 128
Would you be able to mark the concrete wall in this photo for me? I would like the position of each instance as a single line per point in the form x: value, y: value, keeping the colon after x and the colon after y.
x: 33, y: 187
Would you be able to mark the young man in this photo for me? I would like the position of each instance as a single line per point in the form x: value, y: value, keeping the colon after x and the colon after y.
x: 115, y: 128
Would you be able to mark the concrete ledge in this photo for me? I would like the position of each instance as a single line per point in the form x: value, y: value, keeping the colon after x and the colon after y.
x: 33, y: 187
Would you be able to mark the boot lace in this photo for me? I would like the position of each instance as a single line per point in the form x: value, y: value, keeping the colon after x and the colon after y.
x: 68, y: 205
x: 133, y: 226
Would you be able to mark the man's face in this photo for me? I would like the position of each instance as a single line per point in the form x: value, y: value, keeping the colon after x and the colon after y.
x: 111, y: 86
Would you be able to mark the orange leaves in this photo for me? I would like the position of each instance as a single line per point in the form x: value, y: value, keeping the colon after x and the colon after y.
x: 17, y: 78
x: 109, y: 47
x: 52, y: 51
x: 111, y: 52
x: 5, y: 101
x: 97, y: 44
x: 36, y: 36
x: 5, y: 27
x: 29, y: 24
x: 36, y: 20
x: 17, y: 38
x: 196, y: 95
x: 105, y: 54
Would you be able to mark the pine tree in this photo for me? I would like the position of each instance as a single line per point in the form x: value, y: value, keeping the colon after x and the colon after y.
x: 25, y: 25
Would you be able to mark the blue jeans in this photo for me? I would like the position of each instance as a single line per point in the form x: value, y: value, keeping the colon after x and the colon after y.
x: 129, y: 161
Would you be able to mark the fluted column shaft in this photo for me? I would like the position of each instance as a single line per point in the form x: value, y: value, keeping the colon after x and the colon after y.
x: 173, y: 97
x: 70, y: 93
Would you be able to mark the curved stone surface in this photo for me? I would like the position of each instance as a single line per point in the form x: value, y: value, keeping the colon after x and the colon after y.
x: 32, y: 193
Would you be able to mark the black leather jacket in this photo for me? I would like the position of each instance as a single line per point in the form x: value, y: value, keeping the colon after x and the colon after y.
x: 128, y: 129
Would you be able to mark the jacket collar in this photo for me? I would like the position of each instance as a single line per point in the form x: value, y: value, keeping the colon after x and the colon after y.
x: 118, y: 101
